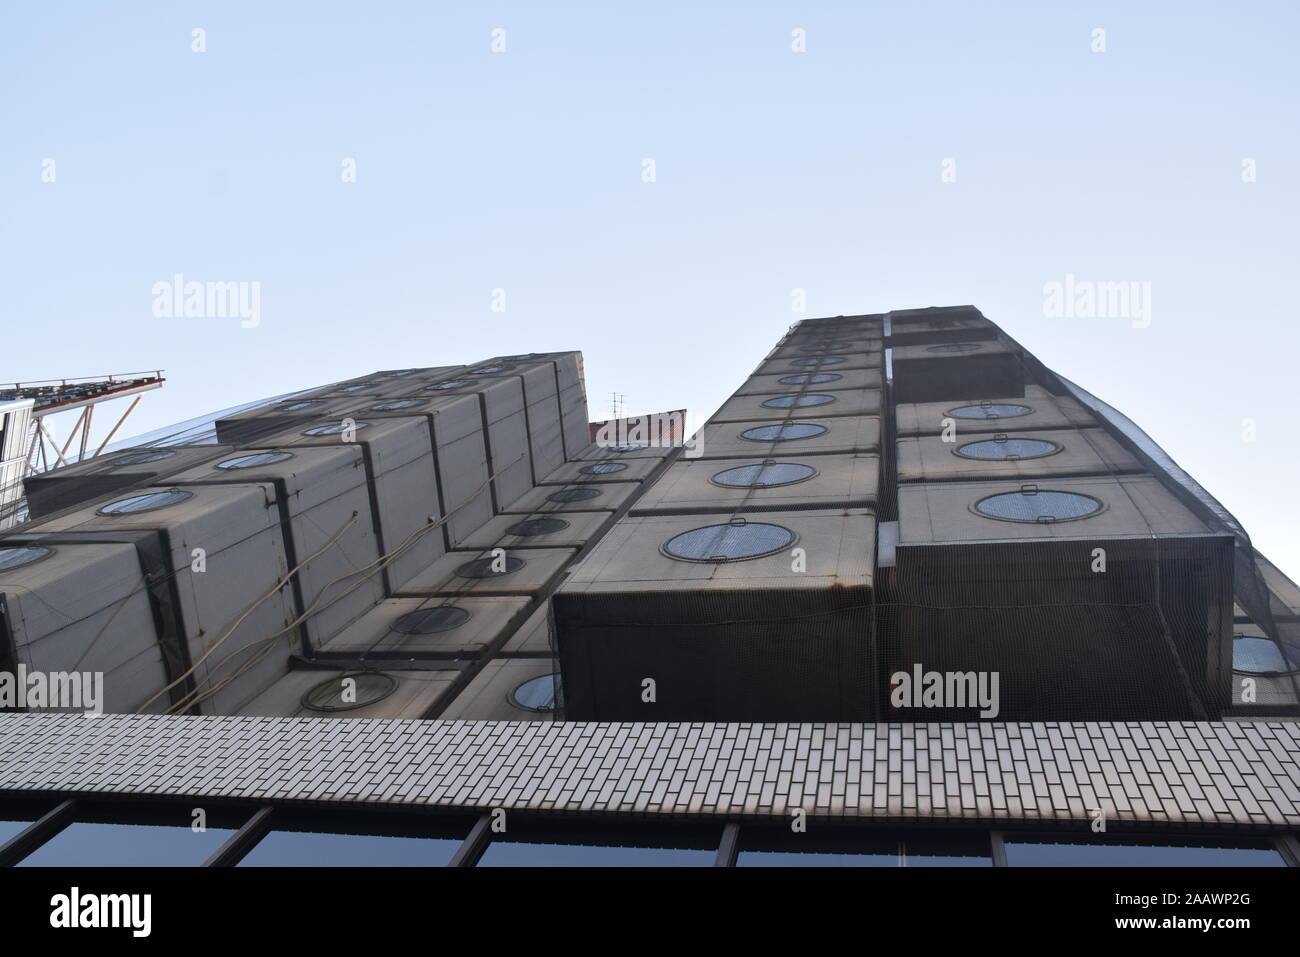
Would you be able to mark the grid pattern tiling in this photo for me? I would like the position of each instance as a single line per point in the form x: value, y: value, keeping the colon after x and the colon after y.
x: 1235, y: 774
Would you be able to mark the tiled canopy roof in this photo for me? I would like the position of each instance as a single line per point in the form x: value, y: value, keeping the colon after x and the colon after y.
x: 1143, y: 774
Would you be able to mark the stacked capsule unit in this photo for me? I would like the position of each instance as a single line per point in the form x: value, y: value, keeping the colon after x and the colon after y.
x: 738, y: 586
x: 1035, y: 559
x: 367, y: 548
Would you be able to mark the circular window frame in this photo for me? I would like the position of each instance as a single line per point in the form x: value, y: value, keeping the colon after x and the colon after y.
x: 762, y: 465
x: 1282, y: 650
x: 1101, y: 507
x: 783, y: 425
x: 491, y: 574
x: 794, y: 540
x: 155, y: 455
x: 785, y: 379
x: 1057, y: 448
x: 46, y: 552
x: 402, y: 629
x: 224, y: 465
x: 828, y: 346
x: 596, y: 493
x: 625, y: 449
x: 952, y: 413
x: 606, y: 468
x: 185, y: 496
x: 305, y: 702
x: 816, y: 362
x: 556, y: 695
x: 315, y: 432
x: 378, y: 406
x: 450, y: 384
x: 544, y: 518
x: 795, y: 402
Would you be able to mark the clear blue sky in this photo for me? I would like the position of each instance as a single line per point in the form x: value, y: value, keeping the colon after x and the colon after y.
x: 775, y: 170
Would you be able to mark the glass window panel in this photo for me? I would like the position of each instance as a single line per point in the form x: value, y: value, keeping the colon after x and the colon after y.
x: 715, y: 542
x: 1252, y: 655
x: 764, y: 476
x: 10, y: 829
x: 314, y: 849
x: 140, y: 458
x: 1008, y: 448
x: 490, y: 567
x: 146, y: 502
x: 20, y: 555
x: 1026, y: 853
x: 783, y: 433
x: 254, y: 459
x: 1037, y: 506
x: 819, y: 361
x: 802, y: 401
x: 991, y: 411
x: 538, y: 694
x: 810, y: 378
x: 857, y: 848
x: 531, y: 527
x: 431, y: 621
x: 557, y: 843
x: 88, y: 844
x: 521, y: 854
x: 574, y: 495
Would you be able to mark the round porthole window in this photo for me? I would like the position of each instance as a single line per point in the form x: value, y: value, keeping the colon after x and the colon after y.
x: 602, y: 468
x: 396, y: 404
x: 431, y: 621
x: 783, y: 433
x: 490, y: 567
x: 488, y: 370
x: 400, y: 373
x: 349, y: 691
x: 140, y: 458
x: 453, y: 384
x: 825, y: 347
x: 520, y: 358
x: 765, y: 475
x: 1038, y: 505
x: 16, y: 556
x: 991, y: 411
x: 955, y: 347
x: 293, y: 405
x: 147, y: 502
x: 353, y: 388
x: 254, y: 459
x: 573, y: 495
x: 335, y: 429
x: 819, y: 361
x: 729, y: 543
x: 802, y: 401
x: 531, y: 527
x: 537, y: 694
x: 1001, y: 449
x: 1255, y: 655
x: 809, y: 378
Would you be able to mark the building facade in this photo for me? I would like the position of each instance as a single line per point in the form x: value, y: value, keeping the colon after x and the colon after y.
x: 908, y: 597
